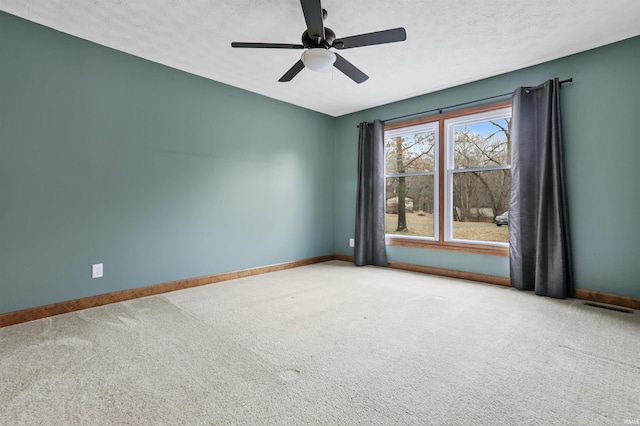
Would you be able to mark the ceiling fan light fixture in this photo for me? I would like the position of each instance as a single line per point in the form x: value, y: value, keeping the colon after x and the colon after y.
x: 318, y: 59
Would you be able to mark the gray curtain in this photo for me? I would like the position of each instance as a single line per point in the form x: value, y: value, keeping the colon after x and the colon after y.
x: 540, y: 249
x: 370, y: 246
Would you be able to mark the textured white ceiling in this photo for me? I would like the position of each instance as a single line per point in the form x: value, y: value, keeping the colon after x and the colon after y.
x: 449, y: 42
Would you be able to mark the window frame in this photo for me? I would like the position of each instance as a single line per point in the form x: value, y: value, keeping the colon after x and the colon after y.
x: 439, y: 241
x: 450, y: 125
x: 426, y: 127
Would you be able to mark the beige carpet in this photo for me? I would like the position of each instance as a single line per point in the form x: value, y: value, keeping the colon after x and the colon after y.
x: 326, y: 344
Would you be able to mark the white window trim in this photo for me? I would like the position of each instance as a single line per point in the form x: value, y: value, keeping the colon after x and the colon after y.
x: 425, y: 127
x: 450, y: 125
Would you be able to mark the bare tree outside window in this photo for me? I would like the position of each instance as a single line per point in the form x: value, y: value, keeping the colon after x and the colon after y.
x: 410, y: 163
x: 480, y: 178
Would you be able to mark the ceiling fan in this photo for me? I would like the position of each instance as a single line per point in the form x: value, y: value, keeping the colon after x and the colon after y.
x: 318, y: 39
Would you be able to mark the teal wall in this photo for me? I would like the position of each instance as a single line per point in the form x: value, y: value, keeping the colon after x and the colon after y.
x: 159, y: 174
x: 601, y: 111
x: 162, y: 175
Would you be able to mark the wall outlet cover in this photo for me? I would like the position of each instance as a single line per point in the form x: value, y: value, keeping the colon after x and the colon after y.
x: 352, y: 242
x: 97, y: 270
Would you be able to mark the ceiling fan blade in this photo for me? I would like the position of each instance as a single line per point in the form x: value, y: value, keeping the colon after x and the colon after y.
x: 350, y: 70
x: 369, y: 39
x: 268, y: 45
x: 295, y: 69
x: 313, y: 15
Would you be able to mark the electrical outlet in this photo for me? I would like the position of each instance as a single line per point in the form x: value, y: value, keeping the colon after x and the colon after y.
x: 352, y: 242
x: 97, y: 270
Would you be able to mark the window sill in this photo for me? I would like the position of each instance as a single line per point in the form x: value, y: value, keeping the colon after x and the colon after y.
x: 441, y: 245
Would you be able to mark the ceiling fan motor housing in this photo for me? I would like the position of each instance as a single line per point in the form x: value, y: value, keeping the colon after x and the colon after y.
x: 327, y: 42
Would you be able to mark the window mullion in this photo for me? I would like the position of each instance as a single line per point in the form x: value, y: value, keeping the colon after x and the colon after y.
x: 441, y: 181
x: 426, y: 173
x: 480, y: 169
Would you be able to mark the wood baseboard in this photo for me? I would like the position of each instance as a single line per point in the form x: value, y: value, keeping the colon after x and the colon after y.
x: 25, y: 315
x: 471, y: 276
x: 344, y: 257
x: 450, y: 273
x: 609, y: 299
x: 588, y: 295
x: 462, y: 275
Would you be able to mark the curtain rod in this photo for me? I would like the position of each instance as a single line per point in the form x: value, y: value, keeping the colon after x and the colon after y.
x: 439, y: 110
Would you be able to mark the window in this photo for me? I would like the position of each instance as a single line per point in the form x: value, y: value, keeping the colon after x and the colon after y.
x: 447, y: 178
x: 412, y: 181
